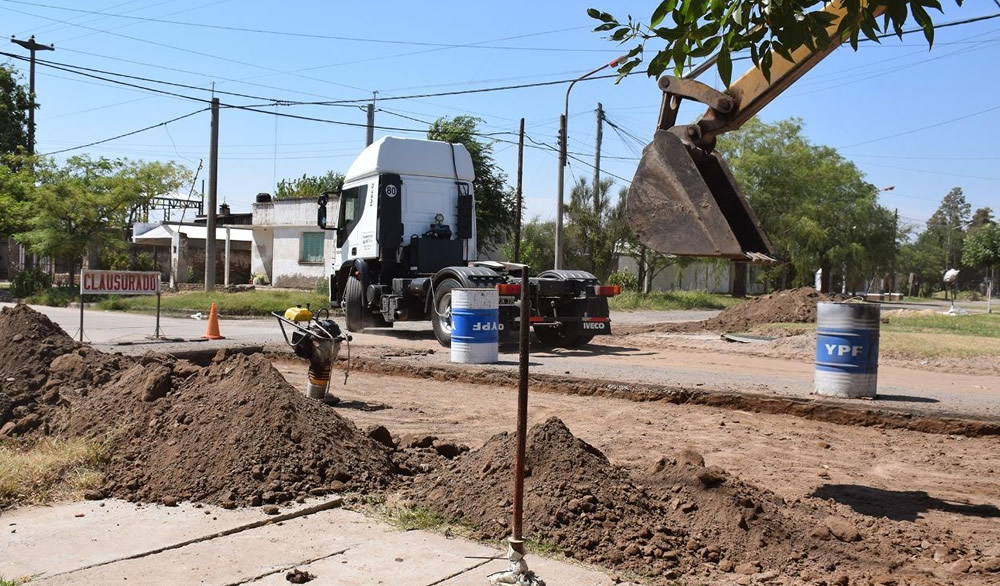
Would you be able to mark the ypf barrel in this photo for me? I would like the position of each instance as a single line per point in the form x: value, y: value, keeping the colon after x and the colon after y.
x: 847, y: 349
x: 475, y: 325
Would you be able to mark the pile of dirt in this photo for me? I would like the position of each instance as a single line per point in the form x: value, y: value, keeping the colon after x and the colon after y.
x: 679, y: 518
x: 39, y: 364
x: 234, y: 433
x: 788, y: 306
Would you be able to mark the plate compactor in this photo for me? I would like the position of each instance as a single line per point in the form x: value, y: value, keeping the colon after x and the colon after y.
x: 318, y: 341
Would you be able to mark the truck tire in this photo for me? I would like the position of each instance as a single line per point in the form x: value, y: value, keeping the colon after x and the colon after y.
x: 441, y: 312
x: 354, y: 307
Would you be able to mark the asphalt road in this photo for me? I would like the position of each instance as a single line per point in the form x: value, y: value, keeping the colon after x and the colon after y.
x: 608, y: 358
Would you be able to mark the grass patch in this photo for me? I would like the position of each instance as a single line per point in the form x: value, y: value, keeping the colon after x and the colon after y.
x: 245, y: 303
x: 664, y: 300
x: 55, y: 297
x: 982, y: 324
x: 41, y: 471
x: 927, y: 336
x: 6, y: 582
x: 920, y: 345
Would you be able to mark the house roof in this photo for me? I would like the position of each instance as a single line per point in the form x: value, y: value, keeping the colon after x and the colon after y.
x: 162, y: 234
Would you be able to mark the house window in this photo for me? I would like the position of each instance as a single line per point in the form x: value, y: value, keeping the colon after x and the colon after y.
x: 312, y: 247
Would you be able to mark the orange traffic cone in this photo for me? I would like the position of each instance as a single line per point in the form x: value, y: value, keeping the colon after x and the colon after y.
x: 212, y: 333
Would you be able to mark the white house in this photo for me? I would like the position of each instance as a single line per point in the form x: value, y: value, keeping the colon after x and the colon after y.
x: 288, y: 247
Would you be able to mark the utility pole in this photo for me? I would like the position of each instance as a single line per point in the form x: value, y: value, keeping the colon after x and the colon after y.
x: 597, y: 160
x: 213, y: 193
x: 370, y: 138
x: 32, y: 47
x: 895, y: 251
x: 520, y: 201
x: 560, y: 185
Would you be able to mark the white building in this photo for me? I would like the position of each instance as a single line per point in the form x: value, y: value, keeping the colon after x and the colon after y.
x: 288, y: 247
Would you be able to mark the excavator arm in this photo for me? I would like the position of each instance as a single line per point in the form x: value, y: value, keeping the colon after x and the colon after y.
x: 683, y: 199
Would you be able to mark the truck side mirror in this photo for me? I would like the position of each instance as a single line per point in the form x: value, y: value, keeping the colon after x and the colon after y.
x: 321, y: 212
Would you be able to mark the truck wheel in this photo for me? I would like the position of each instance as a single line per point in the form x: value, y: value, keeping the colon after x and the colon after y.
x: 354, y: 310
x: 555, y: 337
x: 441, y: 316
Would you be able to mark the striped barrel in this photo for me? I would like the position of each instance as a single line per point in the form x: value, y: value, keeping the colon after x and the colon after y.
x: 475, y: 322
x: 847, y: 349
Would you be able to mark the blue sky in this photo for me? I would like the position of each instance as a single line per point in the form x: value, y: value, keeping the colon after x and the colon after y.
x: 921, y: 121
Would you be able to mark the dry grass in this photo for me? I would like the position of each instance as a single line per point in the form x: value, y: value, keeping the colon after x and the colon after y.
x: 48, y: 469
x: 924, y: 345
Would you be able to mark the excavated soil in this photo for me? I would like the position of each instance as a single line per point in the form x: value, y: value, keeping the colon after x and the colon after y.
x: 788, y: 306
x: 233, y: 433
x: 677, y: 519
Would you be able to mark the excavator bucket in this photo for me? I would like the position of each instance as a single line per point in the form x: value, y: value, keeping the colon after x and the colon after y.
x: 684, y: 201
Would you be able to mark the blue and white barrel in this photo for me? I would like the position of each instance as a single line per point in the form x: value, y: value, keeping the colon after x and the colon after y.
x: 847, y: 349
x: 475, y: 325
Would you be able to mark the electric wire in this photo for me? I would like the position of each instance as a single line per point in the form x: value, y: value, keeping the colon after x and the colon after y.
x: 134, y: 132
x: 320, y: 36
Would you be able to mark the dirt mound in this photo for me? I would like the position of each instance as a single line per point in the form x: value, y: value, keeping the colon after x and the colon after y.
x: 233, y: 433
x: 679, y: 518
x: 788, y: 306
x: 39, y: 364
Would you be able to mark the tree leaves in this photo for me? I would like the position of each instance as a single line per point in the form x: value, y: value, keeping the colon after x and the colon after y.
x: 693, y: 29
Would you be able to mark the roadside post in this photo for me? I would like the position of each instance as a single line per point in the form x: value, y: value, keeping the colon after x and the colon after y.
x: 120, y: 283
x: 518, y: 572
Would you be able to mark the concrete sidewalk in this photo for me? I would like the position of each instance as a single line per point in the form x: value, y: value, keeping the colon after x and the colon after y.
x: 115, y: 542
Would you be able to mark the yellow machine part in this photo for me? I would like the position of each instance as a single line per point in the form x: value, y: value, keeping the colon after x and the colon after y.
x: 298, y: 314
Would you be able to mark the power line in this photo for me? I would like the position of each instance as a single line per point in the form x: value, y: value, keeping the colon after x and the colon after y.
x: 97, y: 142
x: 191, y: 51
x: 922, y: 128
x: 321, y: 36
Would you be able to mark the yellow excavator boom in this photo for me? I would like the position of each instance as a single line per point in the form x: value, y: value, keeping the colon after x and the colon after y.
x: 683, y: 199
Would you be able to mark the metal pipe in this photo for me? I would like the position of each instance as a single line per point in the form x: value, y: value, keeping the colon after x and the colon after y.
x: 522, y: 414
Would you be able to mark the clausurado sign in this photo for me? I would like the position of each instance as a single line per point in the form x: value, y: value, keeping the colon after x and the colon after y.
x: 119, y: 282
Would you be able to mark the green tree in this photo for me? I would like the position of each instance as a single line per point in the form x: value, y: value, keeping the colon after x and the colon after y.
x: 982, y: 250
x: 16, y: 181
x: 596, y: 228
x: 496, y: 206
x: 87, y: 205
x: 813, y: 204
x: 14, y: 104
x: 981, y: 217
x: 692, y: 29
x: 537, y: 245
x: 948, y: 223
x: 309, y: 185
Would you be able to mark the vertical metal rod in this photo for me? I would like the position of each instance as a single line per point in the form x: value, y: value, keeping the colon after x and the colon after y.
x: 81, y: 308
x: 213, y: 194
x: 520, y: 194
x: 157, y: 333
x: 522, y: 414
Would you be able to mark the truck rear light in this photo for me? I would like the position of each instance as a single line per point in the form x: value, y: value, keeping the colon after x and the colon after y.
x: 508, y: 289
x: 607, y: 290
x: 536, y: 319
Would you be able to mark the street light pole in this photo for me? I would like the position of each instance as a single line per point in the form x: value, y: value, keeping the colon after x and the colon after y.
x: 563, y: 142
